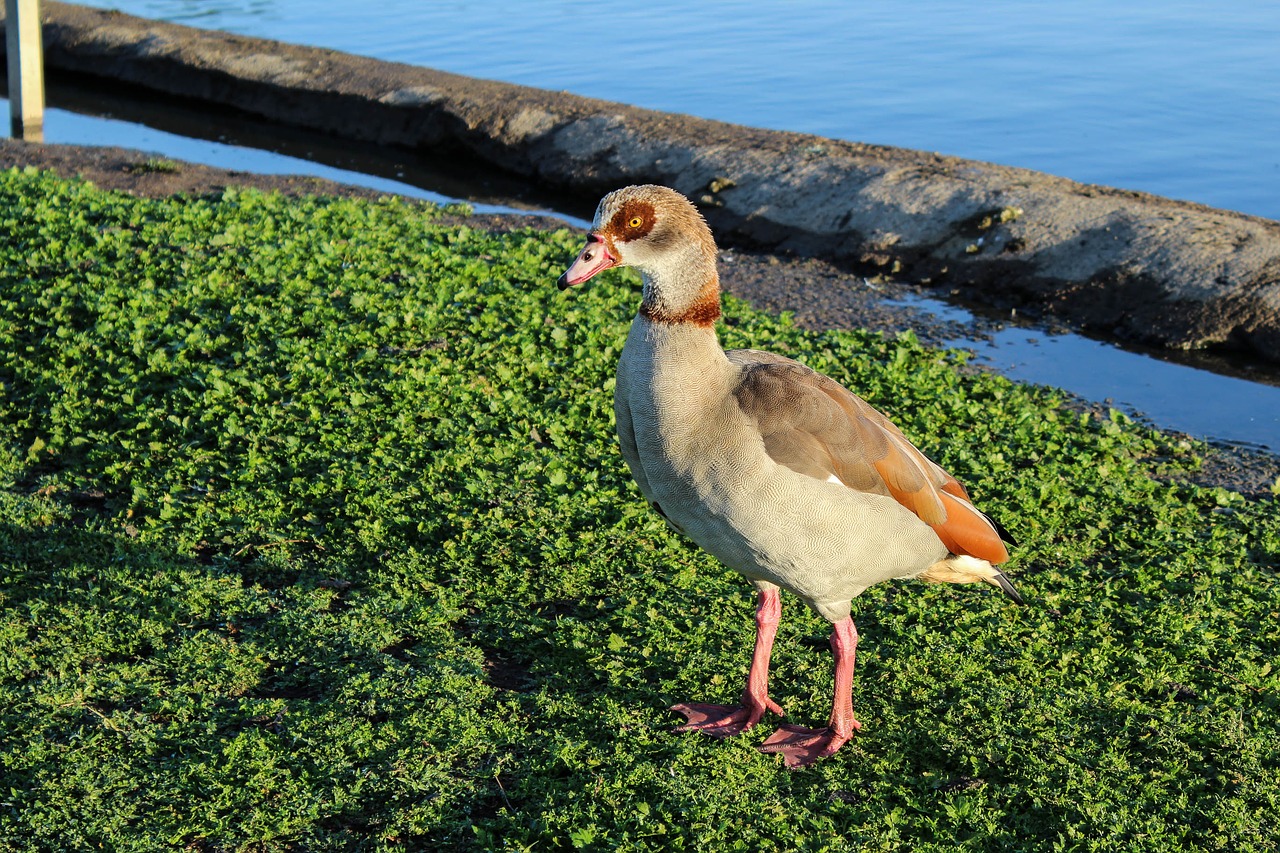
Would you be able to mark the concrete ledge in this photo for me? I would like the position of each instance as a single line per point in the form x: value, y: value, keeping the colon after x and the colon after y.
x: 1128, y: 264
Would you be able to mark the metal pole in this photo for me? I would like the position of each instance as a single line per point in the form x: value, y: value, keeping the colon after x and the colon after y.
x: 25, y: 51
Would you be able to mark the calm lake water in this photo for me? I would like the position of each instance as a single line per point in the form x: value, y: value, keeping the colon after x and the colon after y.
x: 1176, y: 98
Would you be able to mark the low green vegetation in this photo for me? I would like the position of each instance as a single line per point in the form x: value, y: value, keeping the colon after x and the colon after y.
x: 314, y: 536
x: 152, y: 165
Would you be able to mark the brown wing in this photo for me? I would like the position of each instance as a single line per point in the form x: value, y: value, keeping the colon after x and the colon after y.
x: 814, y: 425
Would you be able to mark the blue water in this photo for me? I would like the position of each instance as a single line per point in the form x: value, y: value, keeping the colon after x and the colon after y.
x: 64, y: 126
x: 1177, y: 98
x: 1197, y: 402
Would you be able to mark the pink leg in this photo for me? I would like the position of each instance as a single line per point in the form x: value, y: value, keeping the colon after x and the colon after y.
x: 727, y: 720
x: 802, y: 747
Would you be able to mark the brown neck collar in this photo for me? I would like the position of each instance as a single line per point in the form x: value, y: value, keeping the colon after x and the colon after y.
x: 703, y: 311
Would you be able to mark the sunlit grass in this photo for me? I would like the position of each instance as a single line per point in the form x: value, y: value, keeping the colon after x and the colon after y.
x: 314, y: 536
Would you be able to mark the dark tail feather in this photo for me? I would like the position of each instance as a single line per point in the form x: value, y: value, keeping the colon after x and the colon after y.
x: 1008, y: 588
x: 1001, y: 529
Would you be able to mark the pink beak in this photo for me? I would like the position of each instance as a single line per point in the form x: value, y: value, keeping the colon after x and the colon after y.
x: 593, y: 258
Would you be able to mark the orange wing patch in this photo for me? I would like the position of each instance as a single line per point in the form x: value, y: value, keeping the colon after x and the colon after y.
x: 817, y: 427
x: 967, y: 531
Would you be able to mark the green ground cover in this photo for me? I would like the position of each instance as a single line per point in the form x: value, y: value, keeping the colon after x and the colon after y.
x: 314, y: 536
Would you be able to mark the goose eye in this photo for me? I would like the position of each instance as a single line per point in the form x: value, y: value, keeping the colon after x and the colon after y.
x: 635, y: 222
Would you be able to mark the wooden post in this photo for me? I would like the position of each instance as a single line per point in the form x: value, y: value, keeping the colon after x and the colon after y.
x: 24, y: 48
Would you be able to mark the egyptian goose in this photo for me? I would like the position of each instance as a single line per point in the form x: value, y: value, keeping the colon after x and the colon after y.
x: 777, y: 470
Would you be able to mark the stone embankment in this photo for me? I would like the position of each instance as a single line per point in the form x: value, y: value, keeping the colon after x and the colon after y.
x: 1114, y: 262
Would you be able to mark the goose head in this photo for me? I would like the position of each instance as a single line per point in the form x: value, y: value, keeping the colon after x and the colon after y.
x: 660, y: 233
